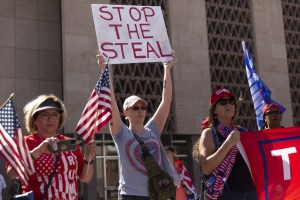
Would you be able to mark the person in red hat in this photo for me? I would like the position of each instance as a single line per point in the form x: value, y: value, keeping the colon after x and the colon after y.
x: 224, y: 173
x: 272, y: 116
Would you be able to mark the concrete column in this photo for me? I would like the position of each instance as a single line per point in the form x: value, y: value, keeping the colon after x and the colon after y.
x: 191, y: 75
x: 271, y: 58
x: 80, y: 67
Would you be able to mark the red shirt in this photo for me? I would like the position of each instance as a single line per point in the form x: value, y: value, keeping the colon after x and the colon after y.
x: 64, y: 183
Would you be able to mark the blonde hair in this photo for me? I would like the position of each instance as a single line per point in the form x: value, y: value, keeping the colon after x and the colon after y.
x: 196, y: 152
x: 33, y: 105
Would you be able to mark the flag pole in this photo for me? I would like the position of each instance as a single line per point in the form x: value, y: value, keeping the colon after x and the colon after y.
x: 12, y: 94
x: 88, y: 167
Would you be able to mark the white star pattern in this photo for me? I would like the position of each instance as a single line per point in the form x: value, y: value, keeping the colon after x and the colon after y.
x: 9, y: 119
x: 45, y: 164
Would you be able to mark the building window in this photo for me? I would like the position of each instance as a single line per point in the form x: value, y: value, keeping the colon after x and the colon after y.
x: 107, y: 170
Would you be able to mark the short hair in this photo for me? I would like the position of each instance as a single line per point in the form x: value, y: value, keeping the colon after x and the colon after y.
x: 33, y: 105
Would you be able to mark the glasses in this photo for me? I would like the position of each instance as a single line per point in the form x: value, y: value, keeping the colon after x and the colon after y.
x: 136, y: 108
x: 47, y: 116
x: 274, y: 112
x: 224, y: 102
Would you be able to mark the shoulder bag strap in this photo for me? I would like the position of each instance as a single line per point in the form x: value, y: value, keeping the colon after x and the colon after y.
x: 149, y: 162
x: 50, y: 177
x: 145, y: 149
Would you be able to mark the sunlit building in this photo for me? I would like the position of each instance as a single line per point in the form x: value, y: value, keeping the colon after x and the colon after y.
x: 49, y: 46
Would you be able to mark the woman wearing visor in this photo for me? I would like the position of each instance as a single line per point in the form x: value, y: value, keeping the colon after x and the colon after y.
x: 56, y: 173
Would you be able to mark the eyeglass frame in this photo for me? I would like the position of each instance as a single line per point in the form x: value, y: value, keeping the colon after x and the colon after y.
x: 47, y: 116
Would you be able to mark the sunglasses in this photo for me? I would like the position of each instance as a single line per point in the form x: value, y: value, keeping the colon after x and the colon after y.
x: 224, y: 102
x: 136, y: 108
x: 274, y: 112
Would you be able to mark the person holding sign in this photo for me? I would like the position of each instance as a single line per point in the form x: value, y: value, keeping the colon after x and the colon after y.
x: 57, y: 167
x: 133, y: 180
x: 272, y: 116
x: 224, y: 173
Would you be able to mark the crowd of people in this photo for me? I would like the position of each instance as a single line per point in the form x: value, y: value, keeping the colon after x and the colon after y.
x: 220, y: 161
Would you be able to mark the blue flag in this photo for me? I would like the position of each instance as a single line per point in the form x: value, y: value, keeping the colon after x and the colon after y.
x: 260, y: 93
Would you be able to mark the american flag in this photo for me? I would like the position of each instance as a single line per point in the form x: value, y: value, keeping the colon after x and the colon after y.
x: 186, y: 179
x: 97, y: 111
x: 13, y: 147
x: 260, y: 93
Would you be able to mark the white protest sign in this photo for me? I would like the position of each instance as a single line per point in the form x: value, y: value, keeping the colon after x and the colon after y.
x: 131, y: 34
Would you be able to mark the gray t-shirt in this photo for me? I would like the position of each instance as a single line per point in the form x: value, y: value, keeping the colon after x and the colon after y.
x: 133, y: 175
x: 2, y: 185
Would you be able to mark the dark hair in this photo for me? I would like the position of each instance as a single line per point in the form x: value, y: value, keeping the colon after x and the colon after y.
x: 213, y: 118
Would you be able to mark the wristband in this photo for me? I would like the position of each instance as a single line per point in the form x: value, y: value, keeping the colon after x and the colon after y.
x: 87, y: 162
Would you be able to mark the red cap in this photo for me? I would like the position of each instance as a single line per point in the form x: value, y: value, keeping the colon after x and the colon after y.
x: 217, y: 95
x: 270, y: 106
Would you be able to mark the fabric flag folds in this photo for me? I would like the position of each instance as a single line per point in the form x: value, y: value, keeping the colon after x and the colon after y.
x: 186, y: 179
x: 97, y: 111
x: 260, y: 93
x: 273, y: 156
x: 13, y: 147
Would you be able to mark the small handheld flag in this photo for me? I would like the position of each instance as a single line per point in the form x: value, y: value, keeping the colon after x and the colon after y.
x: 13, y: 147
x: 97, y: 111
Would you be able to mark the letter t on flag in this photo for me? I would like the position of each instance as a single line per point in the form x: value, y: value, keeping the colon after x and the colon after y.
x: 260, y: 93
x: 97, y: 111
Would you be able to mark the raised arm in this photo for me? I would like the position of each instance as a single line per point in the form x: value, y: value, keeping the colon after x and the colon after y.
x: 162, y: 112
x: 210, y: 158
x: 115, y: 122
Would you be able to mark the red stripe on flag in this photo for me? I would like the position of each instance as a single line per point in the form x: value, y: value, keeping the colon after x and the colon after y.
x: 11, y: 155
x: 97, y: 111
x: 24, y: 152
